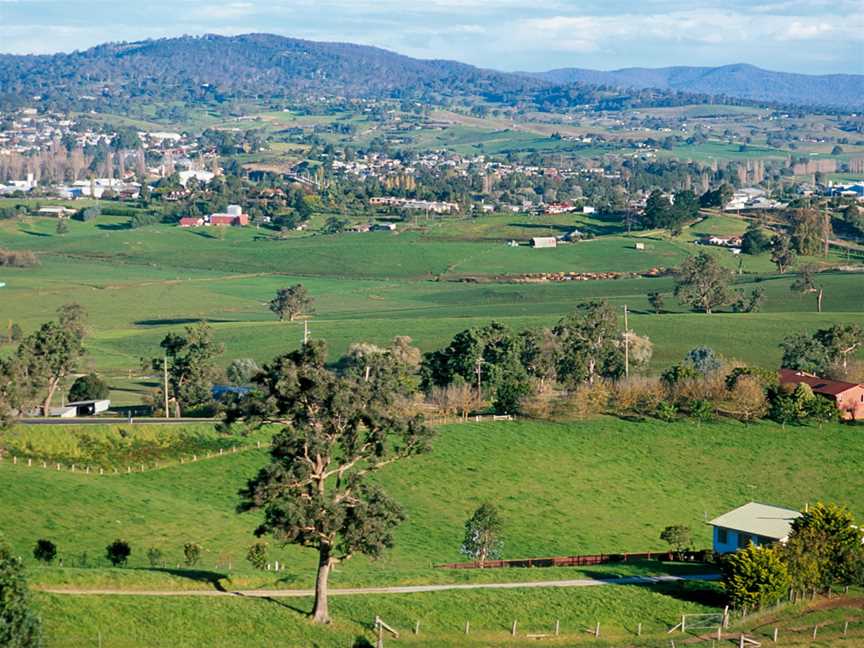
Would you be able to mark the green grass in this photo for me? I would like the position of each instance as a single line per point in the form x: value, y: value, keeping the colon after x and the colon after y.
x: 73, y: 621
x: 138, y: 285
x: 602, y: 486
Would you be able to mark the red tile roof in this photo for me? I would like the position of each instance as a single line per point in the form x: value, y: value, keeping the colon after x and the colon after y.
x: 817, y: 384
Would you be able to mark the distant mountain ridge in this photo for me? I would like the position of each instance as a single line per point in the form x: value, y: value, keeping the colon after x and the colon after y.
x: 739, y: 80
x: 218, y: 68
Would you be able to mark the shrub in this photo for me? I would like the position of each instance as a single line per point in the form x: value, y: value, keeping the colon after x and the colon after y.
x: 257, y: 555
x: 701, y: 410
x: 89, y: 387
x: 585, y: 401
x: 754, y: 577
x: 666, y: 411
x: 87, y: 214
x: 456, y: 398
x: 45, y: 551
x: 677, y: 536
x: 636, y: 395
x: 154, y: 557
x: 191, y: 554
x: 746, y: 400
x: 703, y: 360
x: 510, y: 394
x: 17, y: 258
x: 19, y: 624
x: 118, y: 552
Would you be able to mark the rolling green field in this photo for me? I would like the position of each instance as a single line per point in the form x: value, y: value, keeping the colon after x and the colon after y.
x: 612, y: 486
x: 603, y: 485
x: 429, y: 282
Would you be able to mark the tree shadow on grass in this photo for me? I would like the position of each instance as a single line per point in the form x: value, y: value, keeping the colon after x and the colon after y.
x: 177, y: 321
x: 32, y: 233
x: 275, y: 601
x: 198, y: 575
x: 114, y: 227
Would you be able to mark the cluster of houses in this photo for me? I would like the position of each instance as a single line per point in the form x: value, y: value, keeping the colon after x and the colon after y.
x: 733, y: 243
x: 234, y: 216
x: 433, y: 206
x: 752, y: 198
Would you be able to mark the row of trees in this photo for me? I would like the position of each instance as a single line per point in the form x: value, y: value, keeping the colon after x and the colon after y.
x: 585, y: 346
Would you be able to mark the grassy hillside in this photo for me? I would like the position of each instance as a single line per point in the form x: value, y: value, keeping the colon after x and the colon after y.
x: 599, y: 486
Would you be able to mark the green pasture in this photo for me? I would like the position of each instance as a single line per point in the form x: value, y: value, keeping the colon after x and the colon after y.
x: 604, y: 485
x: 264, y: 623
x: 430, y: 282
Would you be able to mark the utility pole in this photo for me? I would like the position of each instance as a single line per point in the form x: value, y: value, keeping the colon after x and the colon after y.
x: 479, y: 369
x: 826, y: 226
x: 626, y: 345
x: 305, y: 331
x: 165, y: 382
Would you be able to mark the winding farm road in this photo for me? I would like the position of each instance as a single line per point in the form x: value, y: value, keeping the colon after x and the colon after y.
x: 398, y: 589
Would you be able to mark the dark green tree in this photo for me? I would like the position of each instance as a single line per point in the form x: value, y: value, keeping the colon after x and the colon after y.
x: 703, y: 284
x: 20, y: 626
x: 806, y: 283
x: 805, y: 353
x: 191, y: 366
x: 118, y: 552
x: 315, y: 491
x: 88, y: 387
x: 45, y: 551
x: 589, y: 344
x: 657, y: 301
x: 44, y: 359
x: 290, y: 303
x: 754, y: 241
x: 782, y: 254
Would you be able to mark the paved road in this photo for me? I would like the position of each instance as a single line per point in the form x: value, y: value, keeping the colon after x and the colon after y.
x: 401, y: 589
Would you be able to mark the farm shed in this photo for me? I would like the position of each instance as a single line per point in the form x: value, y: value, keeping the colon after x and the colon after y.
x: 544, y: 242
x: 81, y: 408
x: 753, y: 523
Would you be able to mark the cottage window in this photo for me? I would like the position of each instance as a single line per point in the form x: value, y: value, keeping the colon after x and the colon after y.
x: 744, y: 540
x: 722, y: 536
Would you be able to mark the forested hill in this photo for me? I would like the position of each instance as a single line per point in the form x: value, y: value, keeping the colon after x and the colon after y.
x: 212, y: 69
x: 247, y: 65
x: 741, y: 81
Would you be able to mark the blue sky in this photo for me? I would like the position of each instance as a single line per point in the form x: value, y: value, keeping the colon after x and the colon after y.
x: 814, y: 36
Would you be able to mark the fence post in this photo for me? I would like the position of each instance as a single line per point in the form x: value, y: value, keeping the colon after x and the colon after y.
x: 683, y: 623
x: 815, y: 628
x: 467, y: 627
x: 513, y: 629
x: 597, y: 630
x: 416, y: 625
x: 775, y: 635
x: 557, y: 627
x: 639, y: 630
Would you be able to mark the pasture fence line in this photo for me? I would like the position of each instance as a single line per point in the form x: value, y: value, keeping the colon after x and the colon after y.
x: 126, y: 468
x: 650, y: 633
x: 580, y: 560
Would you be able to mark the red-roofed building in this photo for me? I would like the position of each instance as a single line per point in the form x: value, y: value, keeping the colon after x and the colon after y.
x: 237, y: 220
x: 191, y: 221
x: 848, y: 397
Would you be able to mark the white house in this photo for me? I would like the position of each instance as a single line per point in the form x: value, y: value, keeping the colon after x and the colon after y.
x: 753, y: 523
